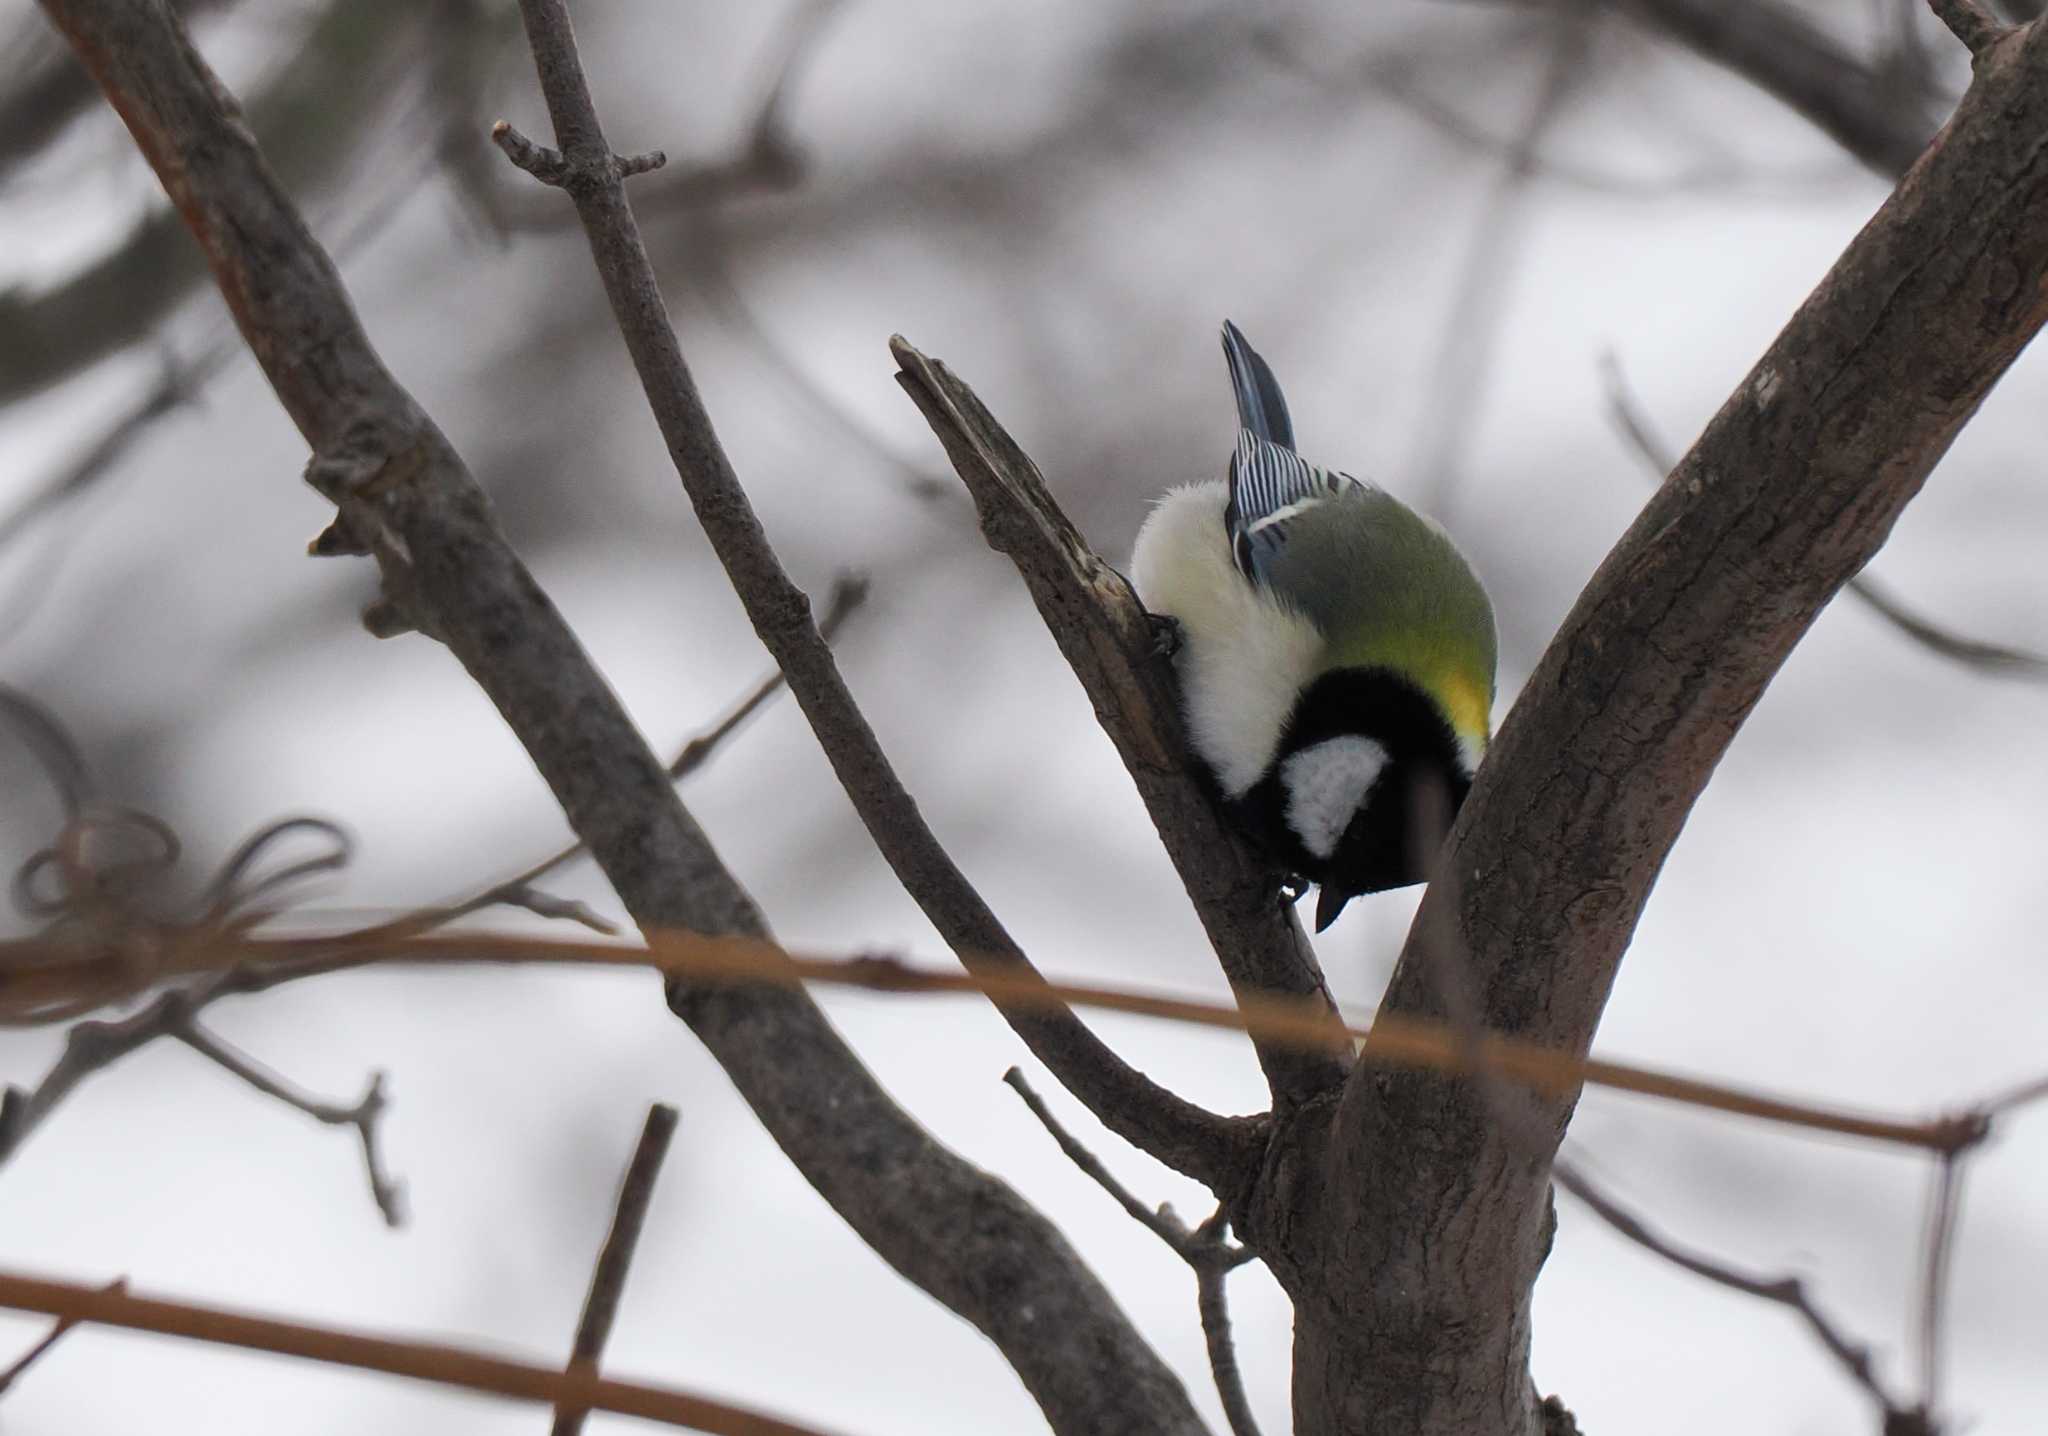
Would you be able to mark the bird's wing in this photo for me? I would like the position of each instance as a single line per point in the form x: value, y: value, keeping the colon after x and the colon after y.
x: 1271, y: 488
x: 1261, y: 407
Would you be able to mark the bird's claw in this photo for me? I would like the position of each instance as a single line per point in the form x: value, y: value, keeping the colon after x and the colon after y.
x: 1167, y: 635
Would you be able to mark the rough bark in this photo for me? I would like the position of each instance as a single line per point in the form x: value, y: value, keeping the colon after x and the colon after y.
x: 1412, y: 1247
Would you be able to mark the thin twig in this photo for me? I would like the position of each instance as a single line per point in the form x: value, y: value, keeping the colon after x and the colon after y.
x: 50, y: 1338
x: 1471, y: 330
x: 1944, y: 1208
x: 608, y: 1281
x: 1207, y: 1250
x: 420, y: 1360
x: 1994, y: 660
x: 95, y: 1046
x: 364, y: 1116
x: 768, y: 158
x: 51, y: 743
x: 1212, y: 1306
x: 1789, y: 1291
x: 32, y: 970
x: 2024, y: 1095
x: 849, y: 592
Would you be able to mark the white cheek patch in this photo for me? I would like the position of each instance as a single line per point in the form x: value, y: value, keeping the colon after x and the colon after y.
x: 1326, y: 784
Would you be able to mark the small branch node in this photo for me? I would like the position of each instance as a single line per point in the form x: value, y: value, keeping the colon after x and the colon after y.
x: 55, y: 1334
x: 561, y: 171
x: 542, y: 163
x: 626, y: 166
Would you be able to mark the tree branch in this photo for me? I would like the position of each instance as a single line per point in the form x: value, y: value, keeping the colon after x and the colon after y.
x: 1864, y: 109
x: 363, y: 1116
x: 34, y: 970
x: 1107, y: 637
x: 608, y: 1282
x: 1210, y: 1148
x: 1789, y: 1291
x: 1207, y: 1250
x: 1996, y: 660
x: 1789, y: 492
x: 419, y: 1360
x: 404, y: 496
x: 55, y: 1334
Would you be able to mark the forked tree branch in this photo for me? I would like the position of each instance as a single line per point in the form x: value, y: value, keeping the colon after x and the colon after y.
x: 1210, y: 1148
x: 404, y: 496
x: 1789, y: 492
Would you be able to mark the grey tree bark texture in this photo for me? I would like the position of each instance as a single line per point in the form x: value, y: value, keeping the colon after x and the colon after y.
x: 1404, y: 1216
x: 405, y: 497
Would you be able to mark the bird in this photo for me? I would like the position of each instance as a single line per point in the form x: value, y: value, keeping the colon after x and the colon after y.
x: 1335, y: 654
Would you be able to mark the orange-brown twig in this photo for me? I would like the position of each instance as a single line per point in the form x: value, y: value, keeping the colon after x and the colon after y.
x: 1394, y: 1041
x: 420, y: 1360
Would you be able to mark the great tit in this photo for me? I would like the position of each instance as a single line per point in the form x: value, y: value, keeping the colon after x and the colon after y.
x: 1335, y: 653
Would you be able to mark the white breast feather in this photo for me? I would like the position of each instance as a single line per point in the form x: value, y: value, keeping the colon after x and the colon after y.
x: 1246, y: 656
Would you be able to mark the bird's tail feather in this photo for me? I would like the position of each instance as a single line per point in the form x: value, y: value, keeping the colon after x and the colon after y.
x: 1260, y: 405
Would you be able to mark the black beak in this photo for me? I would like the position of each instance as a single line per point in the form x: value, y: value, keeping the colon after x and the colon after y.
x: 1329, y: 902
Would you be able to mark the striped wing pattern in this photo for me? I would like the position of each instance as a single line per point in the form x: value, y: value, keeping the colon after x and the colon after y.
x: 1270, y: 488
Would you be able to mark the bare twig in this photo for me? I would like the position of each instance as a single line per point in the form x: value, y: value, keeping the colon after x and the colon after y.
x: 1995, y: 660
x: 32, y: 970
x: 1470, y: 332
x: 419, y: 1360
x: 1207, y: 1249
x: 50, y: 1338
x: 1944, y: 1209
x: 849, y: 592
x: 1789, y: 1291
x: 767, y: 158
x: 608, y: 1281
x: 1776, y: 47
x: 1970, y: 23
x: 2024, y: 1095
x: 364, y: 1116
x: 1194, y: 1141
x: 52, y: 745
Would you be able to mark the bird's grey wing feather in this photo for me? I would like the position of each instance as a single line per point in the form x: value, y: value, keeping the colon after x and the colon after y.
x: 1271, y: 488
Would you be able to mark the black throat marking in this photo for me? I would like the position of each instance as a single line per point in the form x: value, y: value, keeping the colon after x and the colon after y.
x: 1382, y: 848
